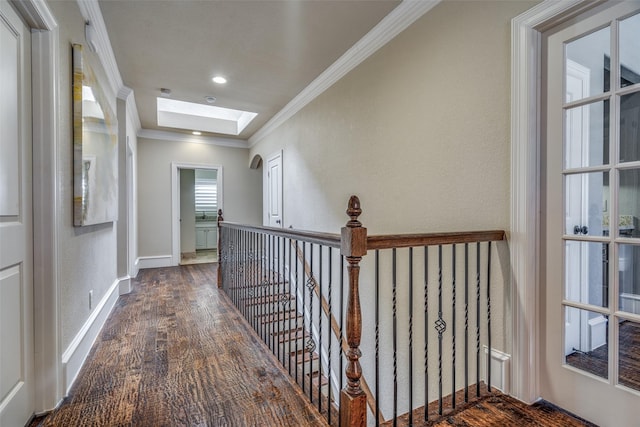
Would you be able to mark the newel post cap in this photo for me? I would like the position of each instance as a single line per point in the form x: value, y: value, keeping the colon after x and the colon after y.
x: 353, y: 235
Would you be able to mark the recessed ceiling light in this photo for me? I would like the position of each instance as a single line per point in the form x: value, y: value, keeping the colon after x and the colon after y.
x: 195, y: 132
x: 219, y: 79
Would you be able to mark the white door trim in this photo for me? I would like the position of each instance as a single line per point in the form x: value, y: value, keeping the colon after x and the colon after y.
x: 526, y: 30
x: 175, y: 202
x: 44, y: 53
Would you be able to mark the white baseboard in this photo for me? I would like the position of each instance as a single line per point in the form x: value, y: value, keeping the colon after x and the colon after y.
x: 136, y: 268
x: 500, y: 369
x: 124, y: 285
x: 155, y: 261
x: 597, y: 332
x: 75, y: 355
x: 630, y: 303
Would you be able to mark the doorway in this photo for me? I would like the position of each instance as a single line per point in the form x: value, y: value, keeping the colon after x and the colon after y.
x: 590, y: 195
x: 196, y: 198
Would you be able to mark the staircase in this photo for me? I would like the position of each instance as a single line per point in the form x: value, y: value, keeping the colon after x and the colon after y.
x: 269, y: 303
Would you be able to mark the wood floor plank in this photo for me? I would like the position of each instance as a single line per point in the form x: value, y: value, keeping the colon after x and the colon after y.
x: 175, y: 352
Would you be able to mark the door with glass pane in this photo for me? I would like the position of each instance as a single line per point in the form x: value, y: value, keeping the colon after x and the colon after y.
x: 590, y: 305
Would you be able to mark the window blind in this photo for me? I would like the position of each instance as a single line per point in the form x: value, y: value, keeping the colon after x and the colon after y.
x: 206, y: 192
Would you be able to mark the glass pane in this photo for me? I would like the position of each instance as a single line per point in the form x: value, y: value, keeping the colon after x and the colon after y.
x: 586, y: 272
x: 587, y: 65
x: 629, y: 276
x: 628, y: 351
x: 585, y: 341
x: 630, y: 127
x: 587, y: 135
x: 630, y: 51
x: 586, y: 199
x: 629, y: 208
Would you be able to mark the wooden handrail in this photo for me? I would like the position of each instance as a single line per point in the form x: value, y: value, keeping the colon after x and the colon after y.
x: 326, y: 239
x: 385, y: 241
x: 428, y: 239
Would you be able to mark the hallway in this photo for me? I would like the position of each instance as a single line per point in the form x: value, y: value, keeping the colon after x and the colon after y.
x: 175, y: 352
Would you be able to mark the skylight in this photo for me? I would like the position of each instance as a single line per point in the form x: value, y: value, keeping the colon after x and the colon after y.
x: 207, y: 118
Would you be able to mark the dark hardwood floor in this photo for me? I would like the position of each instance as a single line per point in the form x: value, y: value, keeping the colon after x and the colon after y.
x: 176, y: 353
x: 596, y: 361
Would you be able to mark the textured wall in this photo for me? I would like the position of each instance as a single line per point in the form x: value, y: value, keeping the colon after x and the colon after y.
x: 420, y: 131
x: 187, y: 211
x: 242, y: 187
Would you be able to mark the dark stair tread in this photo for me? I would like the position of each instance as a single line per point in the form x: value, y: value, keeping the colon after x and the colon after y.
x: 303, y: 356
x: 268, y: 299
x: 278, y: 316
x: 315, y: 375
x: 291, y: 335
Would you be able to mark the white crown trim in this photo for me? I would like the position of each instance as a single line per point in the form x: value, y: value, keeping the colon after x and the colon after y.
x: 90, y: 10
x: 182, y: 137
x: 405, y: 14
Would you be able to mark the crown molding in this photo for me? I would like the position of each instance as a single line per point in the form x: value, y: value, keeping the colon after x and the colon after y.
x: 181, y: 137
x: 405, y: 14
x: 126, y: 93
x: 90, y: 10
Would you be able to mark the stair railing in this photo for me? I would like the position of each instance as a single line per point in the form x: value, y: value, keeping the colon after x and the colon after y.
x: 284, y: 283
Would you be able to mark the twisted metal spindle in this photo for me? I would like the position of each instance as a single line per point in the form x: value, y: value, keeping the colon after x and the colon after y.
x: 478, y: 319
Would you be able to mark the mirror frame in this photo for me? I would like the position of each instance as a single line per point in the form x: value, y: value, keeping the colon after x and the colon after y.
x: 95, y: 148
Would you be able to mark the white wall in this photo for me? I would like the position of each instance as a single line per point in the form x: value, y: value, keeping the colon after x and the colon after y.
x: 187, y: 211
x: 242, y: 188
x: 86, y: 255
x: 420, y: 130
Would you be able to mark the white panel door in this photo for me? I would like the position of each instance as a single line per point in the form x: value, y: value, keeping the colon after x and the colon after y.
x: 274, y: 188
x: 592, y: 211
x: 16, y: 247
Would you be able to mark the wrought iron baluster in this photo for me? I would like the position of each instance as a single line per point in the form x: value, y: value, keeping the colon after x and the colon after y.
x: 441, y: 326
x: 276, y: 296
x: 295, y: 343
x: 395, y: 339
x: 478, y: 319
x: 309, y: 345
x: 453, y: 327
x: 377, y: 336
x: 287, y: 344
x: 304, y: 316
x: 410, y: 336
x: 426, y: 332
x: 489, y: 316
x: 342, y: 271
x: 319, y: 284
x: 466, y: 322
x: 329, y: 303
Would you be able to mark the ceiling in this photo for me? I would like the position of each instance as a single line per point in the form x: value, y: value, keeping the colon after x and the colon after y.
x: 268, y: 50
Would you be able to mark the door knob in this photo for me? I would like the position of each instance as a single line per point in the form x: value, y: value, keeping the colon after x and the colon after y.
x: 277, y: 221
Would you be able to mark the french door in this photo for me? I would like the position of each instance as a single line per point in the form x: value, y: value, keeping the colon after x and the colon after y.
x: 590, y: 305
